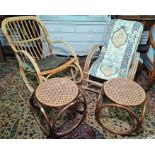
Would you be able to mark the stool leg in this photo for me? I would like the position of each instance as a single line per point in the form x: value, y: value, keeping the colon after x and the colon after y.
x: 37, y: 118
x: 131, y: 113
x: 61, y: 134
x: 83, y: 98
x: 143, y: 112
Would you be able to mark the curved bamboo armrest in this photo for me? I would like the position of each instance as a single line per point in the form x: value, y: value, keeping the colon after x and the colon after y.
x: 30, y: 58
x: 134, y: 66
x: 68, y: 46
x: 89, y: 58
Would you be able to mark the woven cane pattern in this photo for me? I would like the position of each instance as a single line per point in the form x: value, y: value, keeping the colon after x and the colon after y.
x: 124, y: 92
x: 56, y: 92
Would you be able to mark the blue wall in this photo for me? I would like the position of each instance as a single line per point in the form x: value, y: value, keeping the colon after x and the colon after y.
x: 82, y: 32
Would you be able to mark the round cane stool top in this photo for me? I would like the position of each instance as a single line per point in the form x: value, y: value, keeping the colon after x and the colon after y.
x: 124, y: 92
x: 56, y: 92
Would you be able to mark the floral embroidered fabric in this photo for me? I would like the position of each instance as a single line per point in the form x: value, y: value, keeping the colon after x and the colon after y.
x: 120, y: 43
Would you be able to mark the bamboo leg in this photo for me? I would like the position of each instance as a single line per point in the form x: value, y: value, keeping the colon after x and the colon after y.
x: 144, y: 110
x: 46, y: 132
x: 25, y: 80
x: 151, y: 78
x: 79, y: 70
x: 83, y: 113
x: 134, y: 126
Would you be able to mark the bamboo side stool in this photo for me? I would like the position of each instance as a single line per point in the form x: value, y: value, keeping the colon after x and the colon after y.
x: 57, y: 93
x: 124, y: 94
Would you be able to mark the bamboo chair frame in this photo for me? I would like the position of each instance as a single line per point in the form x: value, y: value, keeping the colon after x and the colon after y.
x: 26, y: 36
x: 88, y: 83
x: 151, y: 73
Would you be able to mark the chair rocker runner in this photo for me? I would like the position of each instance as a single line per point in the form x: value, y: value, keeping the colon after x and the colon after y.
x: 30, y: 42
x: 118, y: 56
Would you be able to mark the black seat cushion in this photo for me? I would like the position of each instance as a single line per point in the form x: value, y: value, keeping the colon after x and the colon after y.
x: 47, y: 63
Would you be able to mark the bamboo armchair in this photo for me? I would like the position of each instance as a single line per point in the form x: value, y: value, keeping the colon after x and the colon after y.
x: 30, y: 42
x: 89, y: 81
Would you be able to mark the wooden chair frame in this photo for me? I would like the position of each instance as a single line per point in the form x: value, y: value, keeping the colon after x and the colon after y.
x: 151, y: 73
x: 28, y: 29
x: 88, y: 83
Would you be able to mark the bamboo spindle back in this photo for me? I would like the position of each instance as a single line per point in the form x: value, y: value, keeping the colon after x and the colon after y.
x: 29, y: 34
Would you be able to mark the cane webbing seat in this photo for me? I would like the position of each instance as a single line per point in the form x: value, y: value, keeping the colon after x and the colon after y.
x: 56, y: 92
x: 124, y: 92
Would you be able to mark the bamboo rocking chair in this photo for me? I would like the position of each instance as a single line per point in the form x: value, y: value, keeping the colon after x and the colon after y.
x: 117, y: 56
x: 30, y: 42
